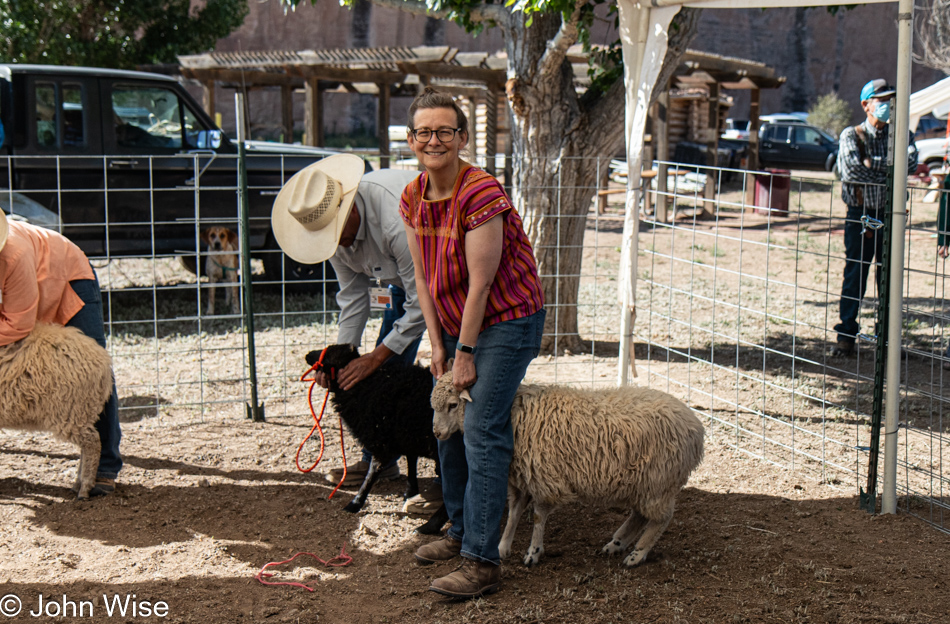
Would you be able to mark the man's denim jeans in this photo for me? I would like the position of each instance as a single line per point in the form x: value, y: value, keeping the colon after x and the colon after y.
x: 860, y: 250
x: 390, y: 316
x: 475, y: 466
x: 89, y: 321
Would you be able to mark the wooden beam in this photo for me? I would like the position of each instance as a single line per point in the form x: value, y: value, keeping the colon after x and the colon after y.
x: 491, y: 129
x: 313, y: 117
x: 712, y: 148
x: 287, y: 112
x: 753, y: 162
x: 207, y: 97
x: 382, y: 124
x: 458, y: 72
x: 244, y: 78
x: 344, y: 74
x: 661, y: 133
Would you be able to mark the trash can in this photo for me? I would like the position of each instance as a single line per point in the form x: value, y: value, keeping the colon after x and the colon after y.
x: 771, y: 192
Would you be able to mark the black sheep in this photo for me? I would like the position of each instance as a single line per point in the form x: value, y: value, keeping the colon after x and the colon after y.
x: 390, y: 414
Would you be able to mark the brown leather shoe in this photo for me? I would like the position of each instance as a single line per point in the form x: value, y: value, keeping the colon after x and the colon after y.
x: 470, y: 580
x: 439, y: 550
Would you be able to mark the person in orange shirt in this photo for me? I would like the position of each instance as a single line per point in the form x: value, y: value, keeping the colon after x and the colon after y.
x: 44, y: 277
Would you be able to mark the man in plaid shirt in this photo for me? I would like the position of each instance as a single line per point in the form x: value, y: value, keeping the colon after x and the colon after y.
x: 862, y: 165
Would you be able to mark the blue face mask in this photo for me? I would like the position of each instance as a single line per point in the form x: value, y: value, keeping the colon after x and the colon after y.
x: 883, y: 111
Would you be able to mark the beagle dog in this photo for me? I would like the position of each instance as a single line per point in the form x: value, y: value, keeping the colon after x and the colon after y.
x: 221, y: 265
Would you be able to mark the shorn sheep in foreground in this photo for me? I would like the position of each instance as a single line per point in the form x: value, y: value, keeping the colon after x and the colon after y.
x: 390, y: 414
x: 630, y: 447
x: 57, y: 379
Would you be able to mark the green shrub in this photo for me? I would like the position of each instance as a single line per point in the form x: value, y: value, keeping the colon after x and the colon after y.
x: 831, y: 114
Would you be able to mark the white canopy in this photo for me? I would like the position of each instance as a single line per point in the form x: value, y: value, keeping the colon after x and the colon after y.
x: 934, y: 99
x: 644, y: 29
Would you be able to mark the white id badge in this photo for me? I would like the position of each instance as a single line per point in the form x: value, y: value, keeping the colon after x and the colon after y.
x: 380, y: 299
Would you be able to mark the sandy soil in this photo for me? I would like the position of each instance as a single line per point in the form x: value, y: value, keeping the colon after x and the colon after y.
x: 206, y: 501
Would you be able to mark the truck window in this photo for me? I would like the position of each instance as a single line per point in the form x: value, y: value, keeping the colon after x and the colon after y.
x: 806, y: 135
x: 73, y: 116
x: 146, y: 117
x: 192, y: 127
x: 45, y: 103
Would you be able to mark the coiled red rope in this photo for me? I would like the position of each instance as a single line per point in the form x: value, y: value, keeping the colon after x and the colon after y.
x: 318, y: 366
x: 340, y: 560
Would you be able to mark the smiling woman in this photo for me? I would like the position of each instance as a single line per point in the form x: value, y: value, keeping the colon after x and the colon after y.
x: 483, y: 304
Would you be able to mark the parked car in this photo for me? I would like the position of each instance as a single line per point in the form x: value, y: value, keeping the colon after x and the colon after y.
x: 932, y: 152
x: 929, y: 127
x: 796, y: 145
x: 736, y: 129
x: 784, y: 118
x: 132, y: 166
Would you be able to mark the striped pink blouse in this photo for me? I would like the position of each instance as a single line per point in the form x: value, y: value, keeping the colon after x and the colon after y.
x: 440, y: 227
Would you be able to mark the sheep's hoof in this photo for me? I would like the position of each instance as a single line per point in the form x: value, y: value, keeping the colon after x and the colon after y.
x: 435, y: 523
x: 353, y: 506
x: 80, y: 497
x: 533, y: 557
x: 636, y: 558
x: 613, y: 547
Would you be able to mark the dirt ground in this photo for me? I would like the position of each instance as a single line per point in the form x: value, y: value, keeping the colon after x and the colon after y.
x: 202, y: 508
x: 203, y: 505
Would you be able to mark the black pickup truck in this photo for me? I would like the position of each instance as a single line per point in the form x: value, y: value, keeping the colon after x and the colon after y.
x: 130, y: 165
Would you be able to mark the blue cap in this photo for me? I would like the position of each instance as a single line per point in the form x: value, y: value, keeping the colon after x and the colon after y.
x: 876, y: 88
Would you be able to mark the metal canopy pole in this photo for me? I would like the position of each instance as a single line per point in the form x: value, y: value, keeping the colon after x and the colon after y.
x: 905, y: 14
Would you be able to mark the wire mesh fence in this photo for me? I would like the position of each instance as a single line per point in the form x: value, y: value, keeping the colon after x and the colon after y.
x: 736, y: 307
x: 738, y: 294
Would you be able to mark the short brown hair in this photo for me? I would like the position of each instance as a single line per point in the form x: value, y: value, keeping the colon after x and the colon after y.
x: 431, y: 98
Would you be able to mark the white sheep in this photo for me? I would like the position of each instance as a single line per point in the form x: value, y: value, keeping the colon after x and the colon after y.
x: 629, y: 446
x: 57, y: 379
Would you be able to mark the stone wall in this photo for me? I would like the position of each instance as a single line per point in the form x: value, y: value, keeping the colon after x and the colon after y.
x: 816, y: 51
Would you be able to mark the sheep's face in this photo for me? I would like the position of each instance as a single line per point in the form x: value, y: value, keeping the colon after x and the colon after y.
x: 448, y: 406
x: 334, y: 358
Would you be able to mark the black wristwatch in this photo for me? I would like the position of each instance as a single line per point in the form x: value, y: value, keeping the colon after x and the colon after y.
x: 464, y: 348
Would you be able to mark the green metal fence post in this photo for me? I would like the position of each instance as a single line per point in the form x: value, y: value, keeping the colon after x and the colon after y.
x: 255, y: 411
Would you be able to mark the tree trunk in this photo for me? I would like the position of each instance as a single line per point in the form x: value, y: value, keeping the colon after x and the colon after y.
x: 558, y: 139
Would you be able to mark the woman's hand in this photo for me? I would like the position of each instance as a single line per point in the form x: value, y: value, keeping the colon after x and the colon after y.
x: 463, y: 371
x: 439, y: 365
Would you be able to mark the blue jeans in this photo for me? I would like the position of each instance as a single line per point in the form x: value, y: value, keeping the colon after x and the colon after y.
x: 89, y: 321
x: 390, y: 316
x: 475, y: 465
x: 860, y: 250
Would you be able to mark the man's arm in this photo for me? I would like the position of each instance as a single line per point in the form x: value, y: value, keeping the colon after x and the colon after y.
x: 852, y: 166
x: 412, y: 323
x: 353, y: 299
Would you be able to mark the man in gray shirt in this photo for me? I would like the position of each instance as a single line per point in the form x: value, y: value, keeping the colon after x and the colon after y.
x: 332, y: 210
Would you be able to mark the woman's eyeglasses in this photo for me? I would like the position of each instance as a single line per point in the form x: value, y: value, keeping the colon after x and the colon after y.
x: 443, y: 134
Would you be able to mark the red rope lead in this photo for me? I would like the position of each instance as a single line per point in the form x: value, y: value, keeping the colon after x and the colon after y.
x: 316, y: 423
x: 340, y: 560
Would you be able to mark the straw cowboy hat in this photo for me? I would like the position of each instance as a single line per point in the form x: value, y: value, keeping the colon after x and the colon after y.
x: 4, y: 229
x: 312, y: 208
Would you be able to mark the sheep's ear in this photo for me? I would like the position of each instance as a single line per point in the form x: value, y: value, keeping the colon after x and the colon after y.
x: 465, y: 396
x: 449, y: 364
